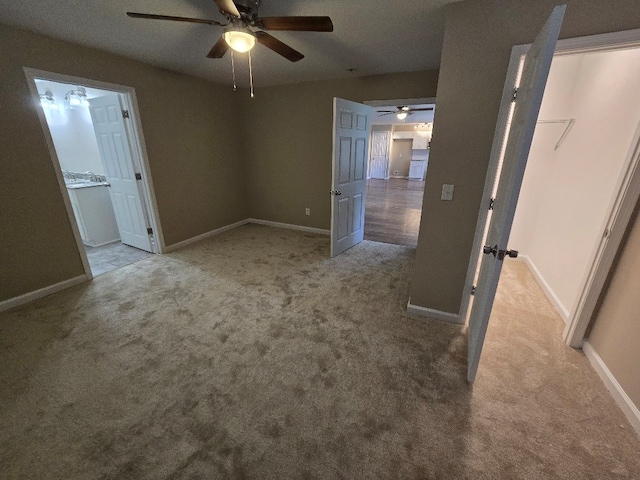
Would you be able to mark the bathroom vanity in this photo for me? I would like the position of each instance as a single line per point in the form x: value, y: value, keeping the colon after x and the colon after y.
x: 94, y: 212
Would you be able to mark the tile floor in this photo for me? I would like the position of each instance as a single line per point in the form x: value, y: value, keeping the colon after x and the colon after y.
x: 111, y: 256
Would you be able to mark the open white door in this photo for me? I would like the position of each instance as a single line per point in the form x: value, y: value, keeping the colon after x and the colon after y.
x: 528, y: 100
x: 115, y: 150
x: 351, y: 128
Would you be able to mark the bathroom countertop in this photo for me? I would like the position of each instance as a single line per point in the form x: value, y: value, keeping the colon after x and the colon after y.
x: 75, y: 185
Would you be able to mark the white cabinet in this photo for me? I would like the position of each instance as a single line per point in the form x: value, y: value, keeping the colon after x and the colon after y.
x: 402, y: 135
x: 420, y: 141
x: 94, y: 215
x: 417, y: 169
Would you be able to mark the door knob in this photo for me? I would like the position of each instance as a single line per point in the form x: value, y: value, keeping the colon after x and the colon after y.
x: 335, y: 192
x: 487, y: 249
x: 507, y: 253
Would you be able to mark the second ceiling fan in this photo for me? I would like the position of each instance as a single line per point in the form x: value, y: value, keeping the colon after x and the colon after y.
x: 402, y: 111
x: 242, y: 16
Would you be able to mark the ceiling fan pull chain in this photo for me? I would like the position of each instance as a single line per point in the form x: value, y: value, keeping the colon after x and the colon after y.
x: 233, y: 71
x: 250, y: 74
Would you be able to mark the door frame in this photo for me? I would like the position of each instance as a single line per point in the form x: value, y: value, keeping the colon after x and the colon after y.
x: 621, y: 206
x: 140, y: 158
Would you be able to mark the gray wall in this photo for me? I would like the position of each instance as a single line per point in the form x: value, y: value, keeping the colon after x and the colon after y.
x: 191, y: 136
x: 288, y: 141
x: 478, y: 39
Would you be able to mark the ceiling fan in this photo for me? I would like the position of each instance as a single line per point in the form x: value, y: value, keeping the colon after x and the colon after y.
x: 242, y: 16
x: 402, y: 111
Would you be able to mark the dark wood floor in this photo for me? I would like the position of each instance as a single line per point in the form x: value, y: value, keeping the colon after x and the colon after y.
x: 392, y: 212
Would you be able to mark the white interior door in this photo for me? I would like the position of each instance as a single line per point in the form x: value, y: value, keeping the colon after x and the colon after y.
x: 529, y: 97
x: 351, y: 129
x: 115, y: 150
x: 379, y: 165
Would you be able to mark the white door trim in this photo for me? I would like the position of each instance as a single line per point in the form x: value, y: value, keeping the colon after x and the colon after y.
x: 622, y: 205
x: 620, y: 211
x: 127, y: 94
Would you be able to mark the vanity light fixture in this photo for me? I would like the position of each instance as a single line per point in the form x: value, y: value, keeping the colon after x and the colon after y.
x: 47, y: 101
x: 77, y: 98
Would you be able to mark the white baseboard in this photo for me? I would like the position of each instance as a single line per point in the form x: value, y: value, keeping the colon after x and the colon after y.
x: 546, y: 288
x: 217, y: 231
x: 290, y: 226
x: 617, y: 392
x: 399, y: 176
x: 43, y: 292
x: 435, y: 314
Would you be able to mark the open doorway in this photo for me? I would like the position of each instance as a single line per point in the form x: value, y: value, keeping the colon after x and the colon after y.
x: 98, y: 160
x: 581, y: 182
x: 397, y: 167
x: 578, y: 159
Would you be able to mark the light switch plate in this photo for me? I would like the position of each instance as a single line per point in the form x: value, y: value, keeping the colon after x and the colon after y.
x: 447, y: 192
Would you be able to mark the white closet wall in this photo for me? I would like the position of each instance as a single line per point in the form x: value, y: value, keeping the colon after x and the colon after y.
x: 566, y: 193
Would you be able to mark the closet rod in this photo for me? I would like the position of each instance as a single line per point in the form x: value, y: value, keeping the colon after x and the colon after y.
x: 569, y: 122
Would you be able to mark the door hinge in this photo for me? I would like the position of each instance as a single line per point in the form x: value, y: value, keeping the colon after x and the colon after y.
x: 125, y: 113
x: 515, y: 95
x: 138, y: 176
x: 492, y: 203
x: 607, y: 233
x: 150, y: 231
x: 473, y: 290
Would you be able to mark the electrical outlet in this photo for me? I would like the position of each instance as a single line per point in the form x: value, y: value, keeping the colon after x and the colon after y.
x: 307, y: 211
x: 447, y: 192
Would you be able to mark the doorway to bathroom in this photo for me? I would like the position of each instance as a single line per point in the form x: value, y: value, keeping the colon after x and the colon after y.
x: 96, y: 148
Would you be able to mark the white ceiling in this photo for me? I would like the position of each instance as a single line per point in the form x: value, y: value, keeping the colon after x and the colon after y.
x: 370, y: 36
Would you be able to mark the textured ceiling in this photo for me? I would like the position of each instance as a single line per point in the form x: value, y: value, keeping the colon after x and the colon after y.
x: 370, y: 36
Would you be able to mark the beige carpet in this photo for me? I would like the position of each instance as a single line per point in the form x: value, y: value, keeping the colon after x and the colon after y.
x: 253, y: 355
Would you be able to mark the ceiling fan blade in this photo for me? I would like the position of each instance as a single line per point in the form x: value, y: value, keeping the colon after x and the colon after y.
x: 421, y: 109
x: 227, y: 6
x: 219, y: 49
x: 175, y: 19
x: 277, y: 46
x: 301, y: 24
x: 386, y: 111
x: 385, y: 114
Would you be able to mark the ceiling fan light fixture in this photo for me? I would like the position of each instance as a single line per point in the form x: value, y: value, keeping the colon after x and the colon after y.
x: 240, y: 41
x: 402, y: 115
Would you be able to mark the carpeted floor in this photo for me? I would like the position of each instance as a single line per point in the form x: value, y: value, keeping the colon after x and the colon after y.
x: 252, y: 355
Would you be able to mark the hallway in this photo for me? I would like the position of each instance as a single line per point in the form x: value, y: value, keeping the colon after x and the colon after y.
x: 393, y: 210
